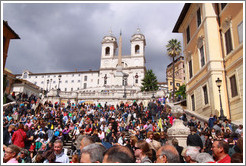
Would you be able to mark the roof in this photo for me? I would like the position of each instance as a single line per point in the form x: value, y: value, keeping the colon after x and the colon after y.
x: 76, y: 72
x: 18, y: 80
x: 181, y: 17
x: 175, y: 61
x: 7, y: 25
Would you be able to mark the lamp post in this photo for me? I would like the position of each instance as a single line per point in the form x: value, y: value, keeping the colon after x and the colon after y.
x: 218, y: 83
x: 47, y: 88
x: 58, y: 89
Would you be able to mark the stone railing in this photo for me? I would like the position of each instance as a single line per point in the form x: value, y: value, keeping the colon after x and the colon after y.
x: 8, y: 104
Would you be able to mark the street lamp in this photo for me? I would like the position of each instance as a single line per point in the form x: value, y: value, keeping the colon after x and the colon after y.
x: 47, y: 88
x: 58, y: 89
x: 218, y: 83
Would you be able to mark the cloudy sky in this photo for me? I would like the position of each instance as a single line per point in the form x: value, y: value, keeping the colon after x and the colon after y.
x: 61, y: 37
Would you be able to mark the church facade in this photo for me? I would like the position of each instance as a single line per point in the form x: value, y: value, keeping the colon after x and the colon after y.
x: 119, y: 77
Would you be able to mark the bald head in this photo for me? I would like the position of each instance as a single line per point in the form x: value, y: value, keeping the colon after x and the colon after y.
x: 118, y: 154
x: 86, y: 140
x: 167, y: 154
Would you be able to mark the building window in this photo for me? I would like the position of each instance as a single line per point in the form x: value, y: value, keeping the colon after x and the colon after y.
x: 171, y: 83
x: 223, y: 5
x: 193, y: 102
x: 98, y: 81
x: 85, y: 78
x: 54, y: 76
x: 198, y: 17
x: 136, y: 81
x: 65, y: 89
x: 71, y: 89
x: 190, y: 69
x: 240, y: 32
x: 202, y: 59
x: 228, y: 41
x: 42, y: 76
x: 188, y: 34
x: 48, y: 76
x: 137, y: 49
x: 79, y: 74
x: 54, y: 82
x: 77, y: 88
x: 107, y: 51
x: 205, y: 94
x: 78, y: 80
x: 35, y: 83
x: 66, y: 81
x: 177, y: 84
x: 85, y: 85
x: 72, y: 81
x: 36, y: 76
x: 72, y: 75
x: 233, y: 83
x: 42, y: 82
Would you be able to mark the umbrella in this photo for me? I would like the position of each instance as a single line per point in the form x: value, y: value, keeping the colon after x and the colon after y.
x: 81, y: 102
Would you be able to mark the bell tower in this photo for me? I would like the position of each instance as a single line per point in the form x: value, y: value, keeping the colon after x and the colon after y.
x: 109, y: 46
x: 138, y: 44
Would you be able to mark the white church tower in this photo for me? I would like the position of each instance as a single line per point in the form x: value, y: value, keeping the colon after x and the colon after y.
x: 116, y: 66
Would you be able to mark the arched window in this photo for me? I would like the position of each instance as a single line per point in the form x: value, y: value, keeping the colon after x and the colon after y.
x: 137, y: 49
x: 107, y: 51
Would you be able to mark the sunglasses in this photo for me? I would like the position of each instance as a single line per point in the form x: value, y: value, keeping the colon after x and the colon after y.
x: 136, y: 148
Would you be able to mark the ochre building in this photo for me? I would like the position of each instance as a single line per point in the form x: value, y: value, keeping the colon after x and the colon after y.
x: 213, y: 48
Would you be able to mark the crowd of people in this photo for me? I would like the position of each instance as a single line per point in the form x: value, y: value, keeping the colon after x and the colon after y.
x: 125, y: 133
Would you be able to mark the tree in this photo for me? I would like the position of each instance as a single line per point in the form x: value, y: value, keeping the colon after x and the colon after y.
x: 149, y: 83
x: 173, y: 50
x: 181, y: 91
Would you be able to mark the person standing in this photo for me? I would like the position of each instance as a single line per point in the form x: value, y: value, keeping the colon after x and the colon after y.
x: 19, y: 137
x: 7, y: 135
x: 194, y: 139
x: 58, y: 155
x: 178, y: 148
x: 220, y: 152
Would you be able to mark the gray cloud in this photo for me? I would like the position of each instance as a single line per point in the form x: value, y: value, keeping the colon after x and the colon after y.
x: 64, y: 37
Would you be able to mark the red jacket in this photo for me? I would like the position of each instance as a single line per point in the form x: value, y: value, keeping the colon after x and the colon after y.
x: 226, y: 159
x: 19, y: 138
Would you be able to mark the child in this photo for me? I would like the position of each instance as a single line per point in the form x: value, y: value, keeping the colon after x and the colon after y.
x: 32, y: 148
x: 74, y: 159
